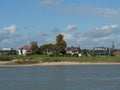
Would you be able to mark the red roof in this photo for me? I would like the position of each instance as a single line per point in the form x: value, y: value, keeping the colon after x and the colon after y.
x: 26, y: 47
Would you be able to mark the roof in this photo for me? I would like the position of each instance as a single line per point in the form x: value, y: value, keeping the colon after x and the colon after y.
x: 26, y: 47
x: 73, y: 49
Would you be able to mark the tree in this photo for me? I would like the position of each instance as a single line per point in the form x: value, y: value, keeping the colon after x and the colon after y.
x: 44, y: 47
x: 34, y: 48
x: 85, y: 52
x: 60, y: 44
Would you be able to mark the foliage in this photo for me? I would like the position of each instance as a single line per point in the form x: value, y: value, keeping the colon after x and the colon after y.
x: 57, y: 58
x: 34, y: 48
x: 6, y: 58
x: 85, y: 52
x: 44, y: 47
x: 60, y: 44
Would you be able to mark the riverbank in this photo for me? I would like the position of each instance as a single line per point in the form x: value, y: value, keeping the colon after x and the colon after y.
x: 13, y: 64
x: 42, y: 60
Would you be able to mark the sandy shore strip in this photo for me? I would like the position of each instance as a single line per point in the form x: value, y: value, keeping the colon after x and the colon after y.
x: 9, y: 64
x: 74, y: 63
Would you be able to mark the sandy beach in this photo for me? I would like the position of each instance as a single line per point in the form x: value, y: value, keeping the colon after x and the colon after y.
x: 12, y: 64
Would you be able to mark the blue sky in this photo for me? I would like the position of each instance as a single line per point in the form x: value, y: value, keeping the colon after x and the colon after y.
x: 84, y: 23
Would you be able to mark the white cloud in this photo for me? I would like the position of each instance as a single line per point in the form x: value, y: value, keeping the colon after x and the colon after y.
x: 100, y: 36
x: 12, y: 29
x: 104, y: 12
x: 71, y: 28
x: 8, y: 35
x: 67, y: 36
x: 103, y: 31
x: 110, y: 27
x: 8, y: 32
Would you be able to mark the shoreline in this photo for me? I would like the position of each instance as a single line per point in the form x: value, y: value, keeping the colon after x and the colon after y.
x: 12, y: 64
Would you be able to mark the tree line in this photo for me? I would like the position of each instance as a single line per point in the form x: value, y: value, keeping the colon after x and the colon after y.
x: 57, y: 48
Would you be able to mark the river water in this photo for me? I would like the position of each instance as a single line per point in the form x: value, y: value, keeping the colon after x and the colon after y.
x: 71, y: 77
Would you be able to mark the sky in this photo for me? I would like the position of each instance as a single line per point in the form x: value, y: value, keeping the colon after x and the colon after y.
x: 84, y: 23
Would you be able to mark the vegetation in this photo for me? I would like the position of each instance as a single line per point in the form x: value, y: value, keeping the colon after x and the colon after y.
x: 84, y: 59
x: 34, y: 48
x: 60, y: 45
x: 58, y: 55
x: 45, y: 58
x: 6, y: 58
x: 43, y: 48
x: 57, y: 48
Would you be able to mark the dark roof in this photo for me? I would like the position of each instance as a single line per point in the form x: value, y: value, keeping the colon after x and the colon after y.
x: 73, y: 49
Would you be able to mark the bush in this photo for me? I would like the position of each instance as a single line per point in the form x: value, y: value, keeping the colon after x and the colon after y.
x: 6, y: 58
x: 48, y: 59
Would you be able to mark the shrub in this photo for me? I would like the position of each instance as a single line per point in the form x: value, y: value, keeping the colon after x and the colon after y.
x: 6, y: 58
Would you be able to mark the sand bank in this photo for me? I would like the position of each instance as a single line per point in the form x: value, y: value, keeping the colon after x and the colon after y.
x: 11, y: 64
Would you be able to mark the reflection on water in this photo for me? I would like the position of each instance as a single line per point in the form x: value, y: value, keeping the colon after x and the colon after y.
x: 81, y: 77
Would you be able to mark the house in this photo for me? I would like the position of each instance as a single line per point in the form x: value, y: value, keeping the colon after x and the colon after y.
x: 73, y: 50
x: 25, y: 50
x: 117, y: 53
x: 49, y: 51
x: 102, y: 51
x: 8, y: 51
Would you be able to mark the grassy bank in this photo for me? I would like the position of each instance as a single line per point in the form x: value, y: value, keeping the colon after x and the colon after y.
x: 83, y: 59
x: 45, y: 58
x: 6, y: 58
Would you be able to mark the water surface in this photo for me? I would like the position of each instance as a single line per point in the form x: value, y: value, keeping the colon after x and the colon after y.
x: 78, y: 77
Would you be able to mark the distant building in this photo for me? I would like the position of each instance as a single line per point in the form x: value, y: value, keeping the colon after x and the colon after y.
x: 113, y: 46
x: 49, y: 51
x: 25, y: 50
x: 117, y: 52
x: 73, y: 50
x: 8, y: 51
x: 102, y: 51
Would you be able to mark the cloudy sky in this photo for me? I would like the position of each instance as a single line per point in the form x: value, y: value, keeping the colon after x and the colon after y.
x: 84, y: 23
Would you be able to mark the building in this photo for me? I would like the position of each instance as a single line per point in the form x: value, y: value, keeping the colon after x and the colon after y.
x: 49, y: 51
x: 73, y: 50
x: 102, y: 51
x: 117, y: 52
x: 8, y: 51
x: 25, y: 50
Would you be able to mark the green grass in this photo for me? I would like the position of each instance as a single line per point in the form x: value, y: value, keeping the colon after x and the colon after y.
x: 6, y: 58
x: 45, y: 58
x: 85, y: 59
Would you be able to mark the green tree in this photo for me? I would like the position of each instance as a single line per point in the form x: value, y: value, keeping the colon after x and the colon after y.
x: 85, y: 52
x: 34, y: 48
x: 60, y: 44
x: 44, y: 47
